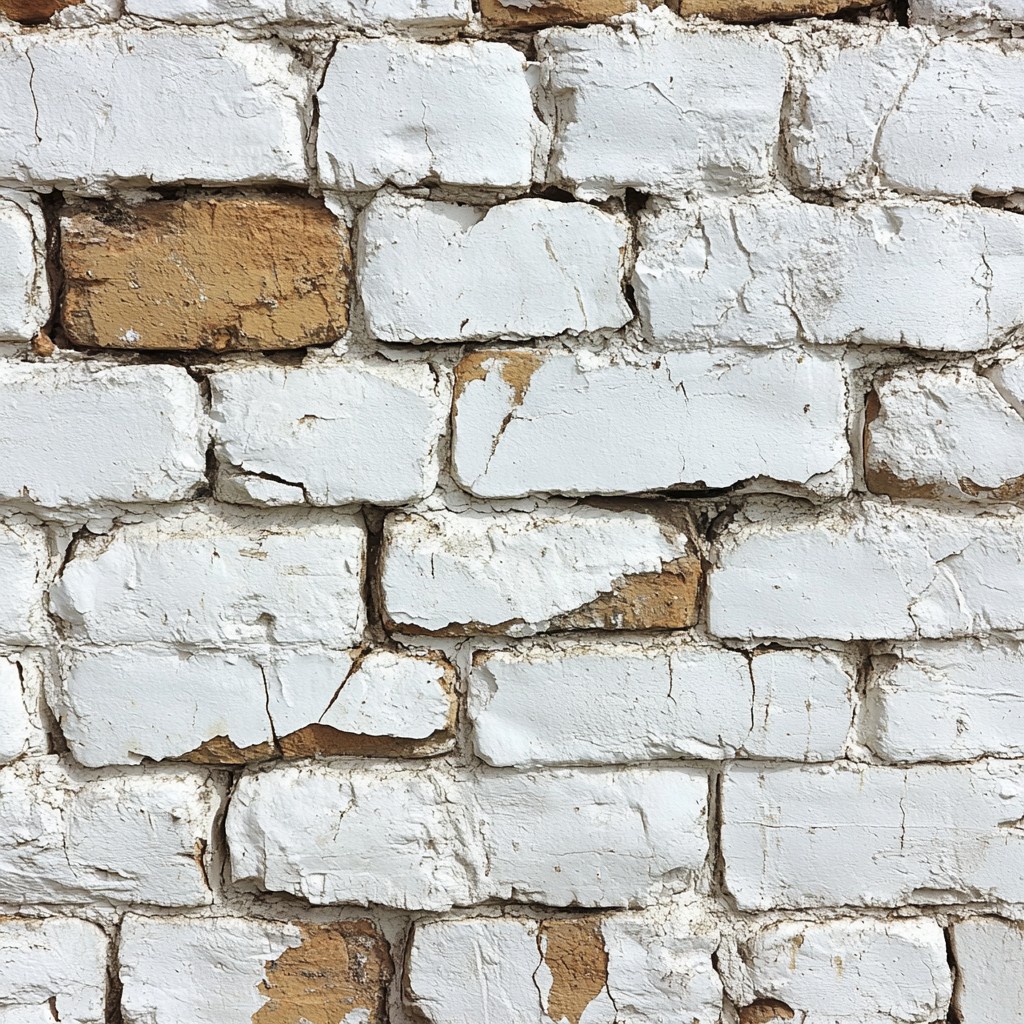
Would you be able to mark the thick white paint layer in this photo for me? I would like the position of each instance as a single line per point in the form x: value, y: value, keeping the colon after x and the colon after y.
x: 989, y: 952
x: 524, y: 269
x: 24, y: 289
x: 400, y: 111
x: 361, y: 14
x: 332, y: 435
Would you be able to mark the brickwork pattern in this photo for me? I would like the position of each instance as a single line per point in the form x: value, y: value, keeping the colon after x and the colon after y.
x: 510, y: 513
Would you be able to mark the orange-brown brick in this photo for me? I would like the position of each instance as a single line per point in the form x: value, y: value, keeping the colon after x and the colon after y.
x: 768, y: 10
x: 33, y: 12
x: 551, y: 12
x: 220, y: 274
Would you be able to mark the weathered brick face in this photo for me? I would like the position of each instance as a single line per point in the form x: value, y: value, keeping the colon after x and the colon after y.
x: 219, y: 274
x: 510, y: 513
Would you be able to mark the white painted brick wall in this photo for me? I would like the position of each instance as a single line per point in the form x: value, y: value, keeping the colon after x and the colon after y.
x: 623, y: 104
x: 696, y: 418
x: 56, y: 967
x: 458, y: 114
x: 438, y: 271
x: 431, y: 839
x: 775, y: 271
x: 863, y: 835
x: 606, y: 609
x: 929, y: 574
x: 609, y: 703
x: 334, y: 435
x: 206, y: 580
x: 213, y: 109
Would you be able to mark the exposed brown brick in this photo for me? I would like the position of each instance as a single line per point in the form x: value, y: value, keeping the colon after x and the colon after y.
x: 222, y: 274
x: 33, y: 12
x: 765, y: 1011
x: 539, y: 13
x: 574, y: 952
x: 338, y: 969
x: 769, y: 10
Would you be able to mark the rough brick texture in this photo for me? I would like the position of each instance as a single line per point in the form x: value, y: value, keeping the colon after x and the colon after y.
x: 510, y: 512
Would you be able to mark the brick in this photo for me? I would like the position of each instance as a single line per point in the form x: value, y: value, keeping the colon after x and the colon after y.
x: 525, y: 269
x: 24, y: 290
x: 33, y: 12
x: 947, y: 701
x: 519, y: 573
x: 902, y: 112
x: 242, y: 971
x: 529, y: 422
x: 355, y: 13
x: 509, y: 14
x: 436, y: 837
x: 55, y: 967
x: 970, y: 14
x: 332, y: 435
x: 218, y: 274
x: 864, y: 835
x: 20, y: 700
x: 610, y: 703
x: 405, y: 112
x: 201, y: 579
x: 770, y: 10
x: 150, y: 107
x: 72, y: 837
x: 853, y: 972
x: 943, y: 434
x: 120, y: 434
x: 988, y: 953
x: 23, y: 562
x: 926, y: 275
x: 509, y: 970
x: 624, y: 116
x: 128, y: 705
x: 930, y: 574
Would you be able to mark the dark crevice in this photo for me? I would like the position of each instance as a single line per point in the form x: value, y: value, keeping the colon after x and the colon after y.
x: 952, y: 1014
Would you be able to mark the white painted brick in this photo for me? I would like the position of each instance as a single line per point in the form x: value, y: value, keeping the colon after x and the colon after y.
x: 607, y: 703
x: 944, y: 434
x: 435, y: 838
x: 525, y: 269
x: 901, y: 112
x: 359, y: 14
x: 401, y: 111
x: 113, y: 434
x: 24, y: 290
x: 342, y: 434
x: 926, y: 275
x: 201, y: 579
x: 929, y: 574
x: 197, y: 971
x: 979, y: 14
x: 54, y: 969
x: 948, y: 701
x: 990, y: 986
x: 854, y: 972
x: 529, y: 422
x: 73, y: 837
x: 863, y: 835
x: 625, y: 115
x: 20, y: 685
x: 507, y: 970
x: 514, y: 572
x: 157, y: 106
x: 23, y: 563
x: 123, y: 705
x: 842, y: 93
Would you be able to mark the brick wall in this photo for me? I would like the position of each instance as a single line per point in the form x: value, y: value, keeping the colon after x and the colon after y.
x: 511, y: 515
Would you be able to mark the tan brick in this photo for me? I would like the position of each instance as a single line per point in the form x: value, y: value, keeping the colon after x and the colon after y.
x: 33, y: 12
x: 218, y: 274
x: 769, y: 10
x: 338, y: 970
x: 552, y: 12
